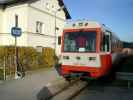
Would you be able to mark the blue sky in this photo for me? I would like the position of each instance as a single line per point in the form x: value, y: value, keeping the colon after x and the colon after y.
x: 116, y: 14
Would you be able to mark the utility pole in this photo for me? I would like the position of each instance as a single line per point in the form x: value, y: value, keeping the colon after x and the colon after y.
x: 55, y: 22
x: 55, y: 28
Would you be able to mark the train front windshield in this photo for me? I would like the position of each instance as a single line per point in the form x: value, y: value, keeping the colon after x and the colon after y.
x: 80, y: 41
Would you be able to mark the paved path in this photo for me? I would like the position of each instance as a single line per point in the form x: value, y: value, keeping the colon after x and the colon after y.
x: 102, y: 92
x: 27, y: 88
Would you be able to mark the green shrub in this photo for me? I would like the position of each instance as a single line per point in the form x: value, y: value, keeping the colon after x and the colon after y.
x: 1, y: 74
x: 49, y: 57
x: 41, y: 62
x: 28, y: 57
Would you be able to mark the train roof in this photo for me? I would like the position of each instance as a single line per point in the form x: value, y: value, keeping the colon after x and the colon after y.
x: 85, y: 24
x: 81, y: 24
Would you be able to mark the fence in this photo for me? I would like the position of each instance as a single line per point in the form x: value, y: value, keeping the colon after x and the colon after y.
x: 7, y: 68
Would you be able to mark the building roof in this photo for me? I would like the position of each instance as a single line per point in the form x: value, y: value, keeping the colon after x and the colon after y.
x: 5, y: 3
x: 61, y: 3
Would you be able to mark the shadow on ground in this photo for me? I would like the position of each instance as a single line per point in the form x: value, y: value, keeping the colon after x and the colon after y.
x: 44, y: 94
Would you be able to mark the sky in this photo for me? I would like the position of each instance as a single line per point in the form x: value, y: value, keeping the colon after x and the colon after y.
x: 116, y: 14
x: 3, y: 1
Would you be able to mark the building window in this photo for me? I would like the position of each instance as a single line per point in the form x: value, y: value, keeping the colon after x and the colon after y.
x: 47, y: 6
x: 39, y: 27
x: 52, y: 6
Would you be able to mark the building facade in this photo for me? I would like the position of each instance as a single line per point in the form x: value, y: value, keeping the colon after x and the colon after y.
x: 41, y: 21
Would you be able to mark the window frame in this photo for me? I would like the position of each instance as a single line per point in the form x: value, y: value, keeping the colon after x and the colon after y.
x: 39, y: 27
x: 104, y: 41
x: 88, y: 30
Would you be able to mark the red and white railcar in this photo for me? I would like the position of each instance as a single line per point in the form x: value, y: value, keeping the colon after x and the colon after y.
x: 88, y: 48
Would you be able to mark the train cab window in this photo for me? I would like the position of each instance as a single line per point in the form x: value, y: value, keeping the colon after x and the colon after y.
x: 82, y: 41
x: 105, y: 44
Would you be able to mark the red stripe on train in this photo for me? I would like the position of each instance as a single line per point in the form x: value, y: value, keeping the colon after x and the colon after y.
x: 95, y: 72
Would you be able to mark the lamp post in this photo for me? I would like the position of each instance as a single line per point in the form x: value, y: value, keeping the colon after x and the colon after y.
x: 55, y: 22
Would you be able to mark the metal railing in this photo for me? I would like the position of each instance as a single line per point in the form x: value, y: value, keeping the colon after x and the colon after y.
x: 125, y: 76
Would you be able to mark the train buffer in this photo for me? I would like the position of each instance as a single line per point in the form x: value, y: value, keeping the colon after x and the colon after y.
x: 125, y: 76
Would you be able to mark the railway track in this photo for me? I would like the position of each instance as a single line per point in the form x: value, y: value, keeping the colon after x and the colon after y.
x: 68, y: 91
x: 63, y: 89
x: 74, y: 89
x: 114, y: 91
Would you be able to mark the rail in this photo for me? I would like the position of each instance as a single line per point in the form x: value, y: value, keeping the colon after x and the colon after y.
x: 72, y: 91
x: 125, y: 76
x: 63, y: 89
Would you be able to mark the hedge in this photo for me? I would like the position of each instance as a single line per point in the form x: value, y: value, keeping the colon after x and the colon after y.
x: 28, y: 57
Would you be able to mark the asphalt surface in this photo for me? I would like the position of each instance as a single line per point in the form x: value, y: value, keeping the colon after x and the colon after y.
x: 29, y: 87
x: 35, y: 87
x: 105, y: 92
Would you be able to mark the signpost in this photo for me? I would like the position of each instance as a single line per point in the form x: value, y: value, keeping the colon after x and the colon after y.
x: 16, y: 32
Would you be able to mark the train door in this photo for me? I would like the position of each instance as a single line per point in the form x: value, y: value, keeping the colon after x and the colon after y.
x: 106, y: 42
x: 105, y: 56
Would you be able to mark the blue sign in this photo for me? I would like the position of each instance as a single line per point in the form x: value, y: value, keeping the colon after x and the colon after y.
x: 16, y: 32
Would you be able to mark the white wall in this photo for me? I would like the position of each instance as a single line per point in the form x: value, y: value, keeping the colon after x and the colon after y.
x: 28, y: 15
x: 9, y: 17
x: 40, y: 40
x: 59, y: 32
x: 1, y: 25
x: 1, y: 20
x: 51, y: 8
x: 9, y: 22
x: 39, y: 12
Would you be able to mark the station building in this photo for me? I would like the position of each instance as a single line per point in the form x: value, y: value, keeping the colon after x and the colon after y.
x: 41, y: 21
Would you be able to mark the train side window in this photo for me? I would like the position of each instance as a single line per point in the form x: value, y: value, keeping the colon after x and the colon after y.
x: 105, y: 43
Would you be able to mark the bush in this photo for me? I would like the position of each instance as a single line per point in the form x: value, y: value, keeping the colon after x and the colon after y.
x: 28, y: 57
x: 49, y: 57
x: 1, y: 74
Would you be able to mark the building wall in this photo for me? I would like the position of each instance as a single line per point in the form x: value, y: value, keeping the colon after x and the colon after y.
x: 49, y: 6
x: 39, y: 12
x: 1, y: 25
x: 1, y: 20
x: 9, y: 22
x: 59, y: 32
x: 47, y: 20
x: 28, y: 15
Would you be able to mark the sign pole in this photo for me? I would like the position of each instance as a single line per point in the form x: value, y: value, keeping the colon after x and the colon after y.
x: 4, y: 68
x: 16, y: 25
x: 16, y: 57
x: 16, y: 32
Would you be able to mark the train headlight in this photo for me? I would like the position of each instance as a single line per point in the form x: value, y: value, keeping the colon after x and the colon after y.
x: 66, y: 57
x: 59, y: 58
x: 92, y: 58
x: 80, y: 24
